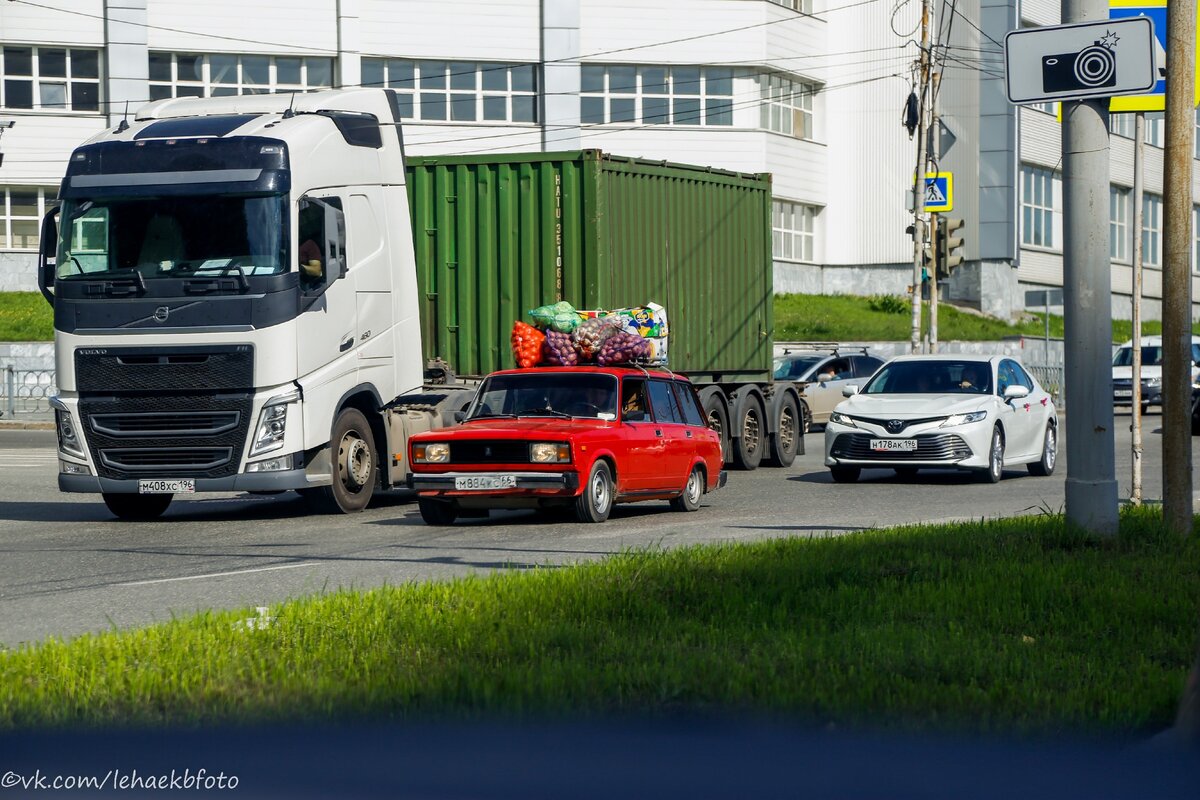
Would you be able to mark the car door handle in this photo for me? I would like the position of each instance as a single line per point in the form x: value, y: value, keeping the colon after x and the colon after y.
x: 689, y: 434
x: 658, y: 432
x: 346, y: 345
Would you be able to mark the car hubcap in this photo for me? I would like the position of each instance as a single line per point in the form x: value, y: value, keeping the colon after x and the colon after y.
x: 693, y: 487
x: 787, y: 430
x: 997, y: 455
x: 600, y: 493
x: 750, y: 432
x: 354, y: 462
x: 1051, y: 448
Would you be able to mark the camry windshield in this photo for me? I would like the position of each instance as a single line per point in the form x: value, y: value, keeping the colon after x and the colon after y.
x: 164, y: 237
x: 932, y: 377
x: 1151, y: 356
x: 547, y: 394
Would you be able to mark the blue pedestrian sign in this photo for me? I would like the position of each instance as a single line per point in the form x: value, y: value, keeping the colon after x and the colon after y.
x: 939, y: 191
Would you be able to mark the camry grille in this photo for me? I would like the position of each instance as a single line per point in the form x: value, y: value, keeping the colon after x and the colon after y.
x: 930, y: 447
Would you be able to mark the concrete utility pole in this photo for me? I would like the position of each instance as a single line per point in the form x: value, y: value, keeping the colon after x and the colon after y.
x: 1135, y: 408
x: 1177, y: 279
x: 935, y: 147
x: 918, y: 195
x: 1087, y: 290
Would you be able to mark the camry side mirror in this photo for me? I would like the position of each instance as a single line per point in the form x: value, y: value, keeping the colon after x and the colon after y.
x: 849, y: 391
x: 1015, y: 392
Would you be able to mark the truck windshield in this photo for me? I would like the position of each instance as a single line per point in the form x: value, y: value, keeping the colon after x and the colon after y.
x: 165, y: 237
x: 547, y: 394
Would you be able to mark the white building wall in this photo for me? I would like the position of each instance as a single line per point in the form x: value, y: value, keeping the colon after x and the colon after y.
x: 282, y: 27
x: 480, y: 30
x: 55, y: 22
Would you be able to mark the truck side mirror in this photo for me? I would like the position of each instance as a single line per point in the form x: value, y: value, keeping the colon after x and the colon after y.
x: 48, y: 255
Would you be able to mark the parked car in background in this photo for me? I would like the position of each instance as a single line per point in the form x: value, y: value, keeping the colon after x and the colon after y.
x: 824, y: 368
x: 580, y: 438
x: 1152, y: 356
x: 944, y: 411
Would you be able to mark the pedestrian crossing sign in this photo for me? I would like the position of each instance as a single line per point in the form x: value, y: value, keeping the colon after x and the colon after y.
x: 939, y: 191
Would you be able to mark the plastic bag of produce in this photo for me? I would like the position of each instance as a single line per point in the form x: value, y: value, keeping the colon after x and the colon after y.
x: 558, y: 350
x: 592, y: 334
x: 648, y: 322
x: 623, y: 348
x: 560, y: 316
x: 527, y: 344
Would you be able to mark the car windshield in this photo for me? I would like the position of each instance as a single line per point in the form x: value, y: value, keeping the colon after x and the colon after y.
x: 794, y: 366
x: 547, y: 394
x: 932, y: 377
x: 1151, y: 356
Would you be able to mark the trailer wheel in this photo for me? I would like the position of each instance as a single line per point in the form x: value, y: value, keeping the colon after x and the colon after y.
x: 716, y: 416
x: 788, y: 439
x: 137, y: 507
x: 352, y: 450
x: 751, y: 425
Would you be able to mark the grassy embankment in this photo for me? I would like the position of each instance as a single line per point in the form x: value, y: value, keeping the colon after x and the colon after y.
x: 1013, y: 626
x: 25, y: 317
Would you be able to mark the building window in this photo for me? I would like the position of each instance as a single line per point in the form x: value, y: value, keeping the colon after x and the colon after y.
x: 1037, y: 206
x: 655, y: 95
x: 793, y: 229
x: 224, y: 75
x: 786, y: 105
x: 1151, y: 228
x: 803, y: 6
x: 1121, y: 125
x: 1154, y: 128
x: 1118, y: 223
x: 22, y: 208
x: 50, y: 78
x: 1045, y: 108
x: 457, y: 91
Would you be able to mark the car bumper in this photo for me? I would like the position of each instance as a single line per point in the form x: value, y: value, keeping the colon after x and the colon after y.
x: 442, y: 483
x: 1150, y: 397
x: 953, y: 449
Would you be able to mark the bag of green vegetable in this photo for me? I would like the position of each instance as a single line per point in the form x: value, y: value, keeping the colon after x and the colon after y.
x: 560, y: 316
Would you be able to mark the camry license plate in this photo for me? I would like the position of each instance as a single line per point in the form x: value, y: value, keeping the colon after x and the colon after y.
x: 894, y: 445
x: 167, y: 486
x: 483, y: 482
x: 1122, y: 392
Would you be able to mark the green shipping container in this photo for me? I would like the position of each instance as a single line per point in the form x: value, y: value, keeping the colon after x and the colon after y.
x: 499, y: 235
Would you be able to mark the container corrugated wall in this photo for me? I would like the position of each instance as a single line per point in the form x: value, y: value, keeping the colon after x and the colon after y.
x: 498, y: 235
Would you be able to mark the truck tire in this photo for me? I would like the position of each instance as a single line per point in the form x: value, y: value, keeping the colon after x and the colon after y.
x: 137, y: 507
x: 787, y: 439
x: 750, y: 422
x: 716, y: 415
x: 355, y: 464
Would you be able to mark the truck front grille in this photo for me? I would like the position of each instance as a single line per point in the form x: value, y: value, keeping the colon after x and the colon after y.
x: 154, y: 460
x: 164, y: 423
x: 164, y: 369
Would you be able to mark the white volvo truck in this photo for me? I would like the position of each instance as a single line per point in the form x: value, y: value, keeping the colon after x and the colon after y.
x: 236, y: 303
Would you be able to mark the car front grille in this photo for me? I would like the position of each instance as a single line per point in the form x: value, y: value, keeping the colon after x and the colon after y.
x: 489, y: 452
x: 930, y: 447
x: 158, y: 461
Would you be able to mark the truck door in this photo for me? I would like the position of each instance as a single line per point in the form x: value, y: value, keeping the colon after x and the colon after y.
x: 328, y: 328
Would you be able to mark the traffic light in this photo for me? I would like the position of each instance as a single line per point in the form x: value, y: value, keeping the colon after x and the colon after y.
x: 947, y: 244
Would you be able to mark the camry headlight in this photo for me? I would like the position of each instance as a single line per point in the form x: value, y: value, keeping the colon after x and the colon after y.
x: 431, y: 453
x: 963, y: 419
x: 549, y: 453
x: 842, y: 419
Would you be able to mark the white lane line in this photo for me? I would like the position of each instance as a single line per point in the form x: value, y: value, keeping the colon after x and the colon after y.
x: 219, y: 574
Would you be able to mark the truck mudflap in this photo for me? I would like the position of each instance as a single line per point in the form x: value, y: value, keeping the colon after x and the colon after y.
x: 246, y: 482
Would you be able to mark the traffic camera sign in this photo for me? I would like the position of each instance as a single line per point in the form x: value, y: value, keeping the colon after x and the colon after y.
x: 1075, y: 62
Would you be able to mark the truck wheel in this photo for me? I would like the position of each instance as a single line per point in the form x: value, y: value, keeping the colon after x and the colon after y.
x: 693, y: 490
x: 352, y: 450
x: 787, y: 440
x: 596, y: 502
x: 748, y: 447
x: 137, y: 507
x: 806, y: 415
x: 716, y: 416
x: 437, y: 512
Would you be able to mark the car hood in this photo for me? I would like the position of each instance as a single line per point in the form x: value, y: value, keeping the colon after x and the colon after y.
x: 1148, y: 371
x: 911, y: 406
x: 534, y: 426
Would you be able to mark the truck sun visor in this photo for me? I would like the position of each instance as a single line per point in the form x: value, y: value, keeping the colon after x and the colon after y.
x: 194, y: 126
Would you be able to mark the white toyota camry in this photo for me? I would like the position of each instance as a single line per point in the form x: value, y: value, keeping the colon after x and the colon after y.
x: 944, y: 411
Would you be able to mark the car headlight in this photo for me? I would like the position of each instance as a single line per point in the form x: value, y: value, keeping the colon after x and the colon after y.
x: 1152, y: 381
x: 549, y: 453
x: 963, y: 419
x: 68, y: 437
x: 842, y: 419
x: 431, y: 453
x: 272, y: 424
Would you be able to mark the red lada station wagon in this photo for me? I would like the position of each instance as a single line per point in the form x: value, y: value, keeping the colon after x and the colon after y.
x: 569, y: 437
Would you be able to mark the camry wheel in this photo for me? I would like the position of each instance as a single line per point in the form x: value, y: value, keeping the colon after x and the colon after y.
x: 995, y: 467
x: 1045, y: 465
x: 595, y: 504
x: 692, y: 491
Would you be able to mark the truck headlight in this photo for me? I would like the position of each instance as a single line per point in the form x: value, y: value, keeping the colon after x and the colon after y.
x: 272, y: 424
x: 963, y: 419
x: 549, y: 453
x: 842, y: 419
x: 68, y: 436
x: 431, y: 453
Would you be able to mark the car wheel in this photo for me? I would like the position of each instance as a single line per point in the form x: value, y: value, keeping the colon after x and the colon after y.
x: 352, y: 450
x: 692, y: 492
x: 787, y: 440
x: 716, y: 416
x: 906, y: 472
x: 437, y: 512
x: 137, y: 507
x: 595, y: 504
x: 1045, y: 465
x: 995, y: 468
x: 752, y: 435
x: 845, y: 474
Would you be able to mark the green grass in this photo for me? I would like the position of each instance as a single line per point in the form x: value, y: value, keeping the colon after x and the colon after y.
x: 841, y: 318
x: 1013, y: 626
x: 25, y: 317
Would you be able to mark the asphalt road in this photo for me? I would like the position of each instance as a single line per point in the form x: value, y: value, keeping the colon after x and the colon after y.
x: 68, y: 567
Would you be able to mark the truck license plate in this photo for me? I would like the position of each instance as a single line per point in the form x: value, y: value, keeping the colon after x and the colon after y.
x: 168, y: 486
x: 483, y: 482
x: 893, y: 445
x: 1122, y: 392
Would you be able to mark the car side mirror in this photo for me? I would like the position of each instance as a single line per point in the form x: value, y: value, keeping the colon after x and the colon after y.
x: 824, y: 377
x: 849, y: 391
x: 459, y: 416
x: 1015, y: 392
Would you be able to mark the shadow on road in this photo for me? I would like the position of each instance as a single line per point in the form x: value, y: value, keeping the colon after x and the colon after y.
x: 932, y: 477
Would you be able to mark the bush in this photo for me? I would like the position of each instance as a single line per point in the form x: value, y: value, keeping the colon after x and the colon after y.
x: 889, y: 304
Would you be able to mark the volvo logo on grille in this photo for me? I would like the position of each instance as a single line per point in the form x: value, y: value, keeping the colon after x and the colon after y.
x: 895, y: 425
x: 161, y: 313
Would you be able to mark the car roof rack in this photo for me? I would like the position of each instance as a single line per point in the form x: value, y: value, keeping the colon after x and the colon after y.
x: 837, y: 348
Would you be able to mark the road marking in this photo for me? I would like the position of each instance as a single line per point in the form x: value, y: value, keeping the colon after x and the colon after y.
x: 219, y: 574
